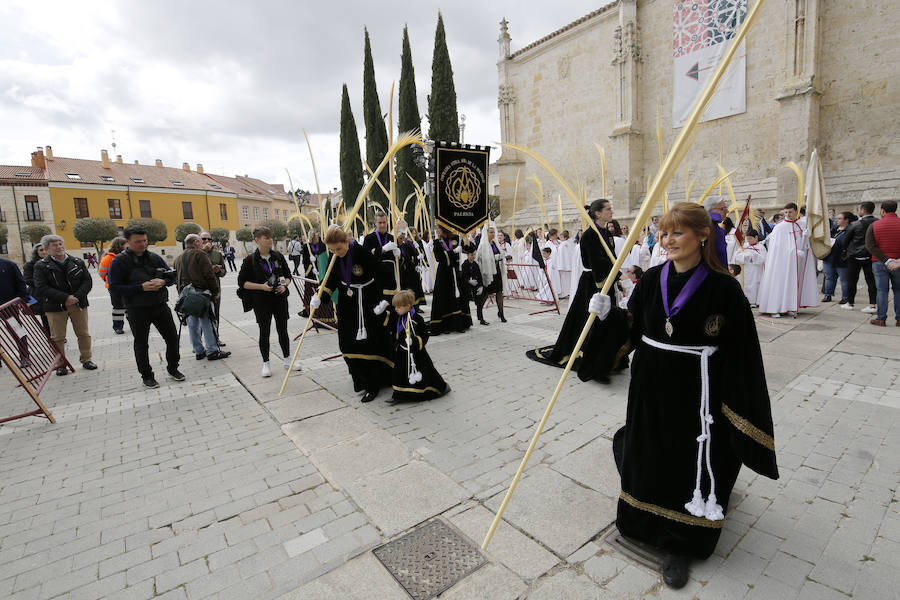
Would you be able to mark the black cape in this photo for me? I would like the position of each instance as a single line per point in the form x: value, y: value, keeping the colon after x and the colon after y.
x: 657, y: 451
x: 389, y: 264
x: 448, y: 312
x: 432, y: 385
x: 601, y: 347
x: 368, y: 360
x: 409, y: 277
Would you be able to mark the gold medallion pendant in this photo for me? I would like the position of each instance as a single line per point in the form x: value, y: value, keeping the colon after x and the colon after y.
x: 350, y: 292
x: 669, y: 329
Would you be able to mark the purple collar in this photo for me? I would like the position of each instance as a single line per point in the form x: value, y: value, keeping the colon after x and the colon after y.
x: 378, y: 237
x: 401, y: 322
x: 347, y: 263
x: 686, y: 292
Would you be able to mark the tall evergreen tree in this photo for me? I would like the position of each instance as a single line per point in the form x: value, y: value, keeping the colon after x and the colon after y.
x: 376, y: 131
x: 408, y: 119
x: 351, y: 161
x: 442, y: 114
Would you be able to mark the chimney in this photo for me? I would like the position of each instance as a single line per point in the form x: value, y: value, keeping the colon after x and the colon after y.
x: 104, y: 158
x: 186, y: 167
x: 49, y: 151
x: 159, y: 162
x: 200, y: 168
x: 119, y: 158
x: 37, y: 159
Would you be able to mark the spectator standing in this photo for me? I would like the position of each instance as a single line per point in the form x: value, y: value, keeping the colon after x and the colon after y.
x: 62, y: 284
x: 835, y: 264
x: 229, y: 252
x: 883, y: 242
x: 295, y: 251
x: 118, y: 305
x: 859, y: 258
x: 37, y: 253
x: 194, y: 268
x: 140, y: 278
x: 12, y: 284
x: 263, y: 282
x: 218, y: 266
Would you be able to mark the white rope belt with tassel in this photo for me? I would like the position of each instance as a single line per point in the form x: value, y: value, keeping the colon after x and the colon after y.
x: 709, y: 509
x: 361, y: 332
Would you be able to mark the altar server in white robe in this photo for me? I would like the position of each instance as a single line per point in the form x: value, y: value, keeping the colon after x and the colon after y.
x: 789, y: 280
x: 752, y: 255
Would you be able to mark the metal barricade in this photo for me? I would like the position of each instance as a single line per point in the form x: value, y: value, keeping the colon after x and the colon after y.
x: 325, y: 315
x: 531, y: 282
x: 29, y: 353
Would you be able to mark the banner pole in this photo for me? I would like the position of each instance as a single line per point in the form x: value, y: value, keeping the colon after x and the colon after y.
x: 675, y: 156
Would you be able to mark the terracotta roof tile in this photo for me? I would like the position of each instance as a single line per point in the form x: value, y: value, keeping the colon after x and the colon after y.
x: 20, y: 173
x: 93, y: 172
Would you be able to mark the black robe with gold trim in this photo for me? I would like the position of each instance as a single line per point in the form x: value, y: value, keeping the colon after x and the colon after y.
x: 368, y: 360
x: 389, y: 265
x: 409, y: 277
x: 432, y: 385
x: 448, y: 312
x: 657, y: 449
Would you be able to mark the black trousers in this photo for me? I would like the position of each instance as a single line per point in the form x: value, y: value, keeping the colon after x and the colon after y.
x: 297, y: 259
x: 140, y: 319
x: 264, y: 312
x: 231, y: 264
x: 853, y: 268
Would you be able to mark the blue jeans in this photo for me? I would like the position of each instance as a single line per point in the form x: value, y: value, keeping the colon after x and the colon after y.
x: 832, y: 274
x: 207, y: 343
x: 884, y: 280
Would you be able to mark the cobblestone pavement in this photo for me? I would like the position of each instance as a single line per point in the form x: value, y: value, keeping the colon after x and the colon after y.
x: 218, y: 487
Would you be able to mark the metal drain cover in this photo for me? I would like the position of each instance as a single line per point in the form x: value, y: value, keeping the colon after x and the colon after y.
x: 641, y: 553
x: 430, y: 559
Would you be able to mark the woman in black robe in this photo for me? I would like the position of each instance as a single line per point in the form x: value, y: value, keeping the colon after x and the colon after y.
x: 414, y: 377
x: 362, y: 334
x: 676, y: 436
x: 597, y: 264
x: 495, y: 286
x: 449, y: 303
x: 410, y: 269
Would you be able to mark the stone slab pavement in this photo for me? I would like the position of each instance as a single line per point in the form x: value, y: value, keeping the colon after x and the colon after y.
x: 218, y: 487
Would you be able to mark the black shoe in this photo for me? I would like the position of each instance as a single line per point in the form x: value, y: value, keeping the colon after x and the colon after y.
x: 826, y: 299
x: 175, y: 374
x: 150, y: 382
x: 446, y: 391
x: 25, y: 362
x: 201, y: 356
x: 62, y: 371
x: 502, y: 318
x: 675, y: 571
x: 369, y: 396
x: 220, y: 343
x: 119, y: 331
x: 843, y: 301
x: 303, y: 313
x: 483, y: 322
x: 88, y: 365
x: 217, y: 355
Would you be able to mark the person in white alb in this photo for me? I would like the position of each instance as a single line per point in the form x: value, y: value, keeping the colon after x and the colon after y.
x: 789, y: 280
x: 752, y: 255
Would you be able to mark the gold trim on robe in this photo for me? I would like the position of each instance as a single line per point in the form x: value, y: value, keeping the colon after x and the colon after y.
x: 668, y: 513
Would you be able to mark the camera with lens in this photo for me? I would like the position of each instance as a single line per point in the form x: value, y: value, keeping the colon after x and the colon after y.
x: 164, y: 272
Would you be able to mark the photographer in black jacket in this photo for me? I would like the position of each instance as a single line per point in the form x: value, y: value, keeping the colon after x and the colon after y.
x: 858, y: 256
x: 140, y: 277
x: 263, y: 287
x: 61, y: 285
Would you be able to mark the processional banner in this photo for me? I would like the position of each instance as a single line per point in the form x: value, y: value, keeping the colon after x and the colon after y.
x: 461, y: 186
x: 702, y: 31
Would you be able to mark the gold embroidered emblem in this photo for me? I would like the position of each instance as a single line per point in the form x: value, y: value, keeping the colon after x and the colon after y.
x: 713, y: 325
x: 357, y: 270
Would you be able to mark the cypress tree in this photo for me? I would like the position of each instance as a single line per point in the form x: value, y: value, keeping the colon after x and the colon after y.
x: 376, y: 131
x: 409, y: 119
x: 351, y: 161
x: 442, y: 115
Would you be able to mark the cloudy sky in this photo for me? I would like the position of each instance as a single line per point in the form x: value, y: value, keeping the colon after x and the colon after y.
x: 231, y: 85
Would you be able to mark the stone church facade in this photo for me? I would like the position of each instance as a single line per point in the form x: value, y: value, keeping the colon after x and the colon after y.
x: 820, y: 74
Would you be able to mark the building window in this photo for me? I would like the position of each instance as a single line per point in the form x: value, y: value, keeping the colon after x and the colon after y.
x: 277, y: 214
x: 256, y: 213
x: 223, y: 212
x: 4, y: 249
x: 32, y: 208
x: 187, y: 210
x: 245, y: 213
x: 73, y: 175
x: 176, y: 183
x: 146, y: 213
x: 266, y: 214
x: 138, y: 179
x: 107, y: 178
x: 115, y: 208
x: 81, y: 208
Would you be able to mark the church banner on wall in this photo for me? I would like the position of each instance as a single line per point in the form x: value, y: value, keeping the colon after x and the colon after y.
x: 461, y: 186
x: 703, y: 30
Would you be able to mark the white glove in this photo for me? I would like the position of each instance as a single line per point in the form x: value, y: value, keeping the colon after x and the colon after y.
x: 420, y: 269
x: 391, y: 247
x: 801, y: 253
x: 408, y: 342
x: 315, y: 302
x: 458, y: 249
x: 479, y: 290
x: 380, y: 307
x: 600, y: 305
x: 473, y: 282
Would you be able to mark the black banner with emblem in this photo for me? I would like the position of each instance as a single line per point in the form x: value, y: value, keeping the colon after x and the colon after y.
x: 461, y: 186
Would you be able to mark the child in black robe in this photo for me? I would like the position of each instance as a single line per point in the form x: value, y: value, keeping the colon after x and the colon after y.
x: 414, y: 376
x: 470, y: 274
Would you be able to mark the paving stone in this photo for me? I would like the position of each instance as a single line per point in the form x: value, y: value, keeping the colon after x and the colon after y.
x: 305, y: 542
x: 593, y: 466
x: 490, y: 581
x: 568, y: 585
x: 370, y: 454
x: 362, y: 578
x: 297, y: 406
x: 328, y: 429
x: 564, y: 520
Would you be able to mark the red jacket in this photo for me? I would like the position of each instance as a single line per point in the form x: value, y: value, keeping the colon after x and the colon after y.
x: 883, y: 238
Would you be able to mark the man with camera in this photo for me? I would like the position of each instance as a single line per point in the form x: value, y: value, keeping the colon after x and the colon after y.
x: 62, y: 284
x: 141, y: 277
x: 194, y: 269
x: 218, y: 266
